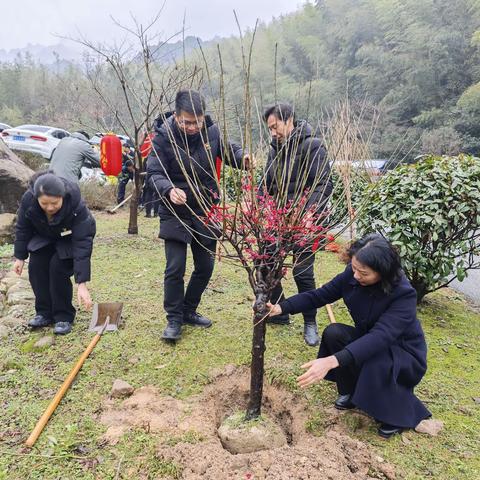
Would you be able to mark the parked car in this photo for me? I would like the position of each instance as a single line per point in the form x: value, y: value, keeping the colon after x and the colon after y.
x: 4, y: 126
x: 38, y: 139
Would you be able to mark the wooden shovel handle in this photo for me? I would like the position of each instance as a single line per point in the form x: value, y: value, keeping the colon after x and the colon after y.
x: 61, y: 392
x: 330, y: 314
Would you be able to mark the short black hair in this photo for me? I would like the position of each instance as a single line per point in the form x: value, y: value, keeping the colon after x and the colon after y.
x: 129, y: 163
x: 84, y: 133
x: 281, y: 111
x: 49, y: 184
x: 377, y: 253
x: 190, y: 101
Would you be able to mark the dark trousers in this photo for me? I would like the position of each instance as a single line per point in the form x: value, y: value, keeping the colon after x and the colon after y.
x: 177, y: 300
x: 151, y: 200
x: 303, y: 274
x: 335, y: 338
x: 51, y: 284
x: 122, y: 185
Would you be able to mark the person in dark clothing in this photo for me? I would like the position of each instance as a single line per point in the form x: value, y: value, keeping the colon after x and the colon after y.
x: 150, y: 197
x: 296, y: 166
x: 377, y: 362
x: 128, y: 170
x: 181, y: 169
x: 56, y: 229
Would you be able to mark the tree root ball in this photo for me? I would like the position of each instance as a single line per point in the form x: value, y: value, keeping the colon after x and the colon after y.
x: 240, y: 436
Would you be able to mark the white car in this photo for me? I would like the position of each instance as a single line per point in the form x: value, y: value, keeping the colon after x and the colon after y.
x: 38, y: 139
x: 4, y: 126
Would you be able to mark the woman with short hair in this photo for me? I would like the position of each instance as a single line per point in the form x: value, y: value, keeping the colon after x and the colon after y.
x: 56, y: 229
x: 377, y: 362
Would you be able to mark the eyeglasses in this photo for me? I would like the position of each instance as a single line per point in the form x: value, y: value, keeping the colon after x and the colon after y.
x: 190, y: 124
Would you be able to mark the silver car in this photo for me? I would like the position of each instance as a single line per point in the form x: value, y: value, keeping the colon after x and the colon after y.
x: 39, y: 139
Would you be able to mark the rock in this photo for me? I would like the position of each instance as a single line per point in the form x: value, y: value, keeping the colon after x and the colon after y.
x: 7, y: 228
x: 11, y: 322
x: 121, y: 389
x: 249, y: 437
x: 18, y: 311
x: 20, y: 286
x: 14, y: 177
x: 4, y: 331
x: 8, y: 282
x: 476, y: 400
x: 24, y: 297
x: 44, y: 342
x: 430, y: 427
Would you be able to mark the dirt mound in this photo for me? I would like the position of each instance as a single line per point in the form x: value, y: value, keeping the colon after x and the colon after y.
x: 188, y: 435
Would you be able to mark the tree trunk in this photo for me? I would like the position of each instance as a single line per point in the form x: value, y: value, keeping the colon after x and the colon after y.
x: 133, y: 220
x: 258, y: 349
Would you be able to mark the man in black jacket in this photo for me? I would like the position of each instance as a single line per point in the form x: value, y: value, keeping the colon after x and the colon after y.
x: 182, y: 169
x: 297, y: 165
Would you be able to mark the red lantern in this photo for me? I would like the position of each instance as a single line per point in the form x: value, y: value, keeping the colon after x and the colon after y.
x: 111, y: 154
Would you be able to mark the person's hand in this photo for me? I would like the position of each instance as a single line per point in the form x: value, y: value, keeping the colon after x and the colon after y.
x: 317, y: 369
x: 83, y: 296
x: 178, y: 196
x: 18, y: 266
x: 274, y: 309
x: 250, y: 161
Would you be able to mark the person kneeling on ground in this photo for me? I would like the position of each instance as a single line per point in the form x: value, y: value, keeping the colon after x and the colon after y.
x: 56, y: 229
x: 377, y: 362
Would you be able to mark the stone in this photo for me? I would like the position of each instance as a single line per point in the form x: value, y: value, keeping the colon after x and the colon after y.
x: 14, y: 178
x: 24, y: 296
x: 44, y: 342
x: 20, y: 286
x: 11, y: 322
x: 476, y: 400
x: 4, y: 331
x: 8, y: 282
x: 121, y: 389
x: 7, y: 228
x: 262, y: 434
x: 17, y: 311
x: 430, y: 427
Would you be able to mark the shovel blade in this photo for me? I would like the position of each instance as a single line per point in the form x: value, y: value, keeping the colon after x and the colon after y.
x: 101, y: 311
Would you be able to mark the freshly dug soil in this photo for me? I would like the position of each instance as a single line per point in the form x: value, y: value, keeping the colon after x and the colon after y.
x: 188, y: 435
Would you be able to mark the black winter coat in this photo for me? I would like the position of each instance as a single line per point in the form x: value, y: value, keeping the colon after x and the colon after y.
x: 198, y: 154
x: 71, y: 231
x: 301, y: 155
x: 390, y: 348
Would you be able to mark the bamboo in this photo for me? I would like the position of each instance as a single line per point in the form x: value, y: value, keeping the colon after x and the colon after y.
x: 331, y: 316
x: 61, y: 392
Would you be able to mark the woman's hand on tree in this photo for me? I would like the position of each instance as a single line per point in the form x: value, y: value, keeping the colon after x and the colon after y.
x: 18, y: 266
x: 317, y: 369
x: 274, y: 309
x: 83, y: 296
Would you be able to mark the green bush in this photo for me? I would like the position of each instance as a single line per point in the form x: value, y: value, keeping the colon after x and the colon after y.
x: 431, y: 212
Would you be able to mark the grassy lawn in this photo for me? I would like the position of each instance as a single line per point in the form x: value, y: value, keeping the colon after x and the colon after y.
x: 130, y: 269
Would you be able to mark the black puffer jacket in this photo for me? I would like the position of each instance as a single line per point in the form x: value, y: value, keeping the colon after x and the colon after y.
x: 185, y: 162
x: 309, y: 159
x: 71, y: 231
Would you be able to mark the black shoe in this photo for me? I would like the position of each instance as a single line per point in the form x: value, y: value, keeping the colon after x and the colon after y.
x: 173, y: 331
x: 39, y: 321
x: 310, y: 334
x: 386, y: 431
x: 147, y: 215
x: 343, y: 402
x: 196, y: 320
x: 279, y: 319
x: 62, y: 328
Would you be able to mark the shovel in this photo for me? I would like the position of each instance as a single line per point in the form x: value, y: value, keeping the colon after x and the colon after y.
x: 106, y: 317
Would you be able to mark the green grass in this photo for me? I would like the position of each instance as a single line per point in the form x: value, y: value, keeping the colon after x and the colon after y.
x: 130, y: 269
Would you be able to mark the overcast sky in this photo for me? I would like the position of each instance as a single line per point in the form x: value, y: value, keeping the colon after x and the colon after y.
x: 36, y: 21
